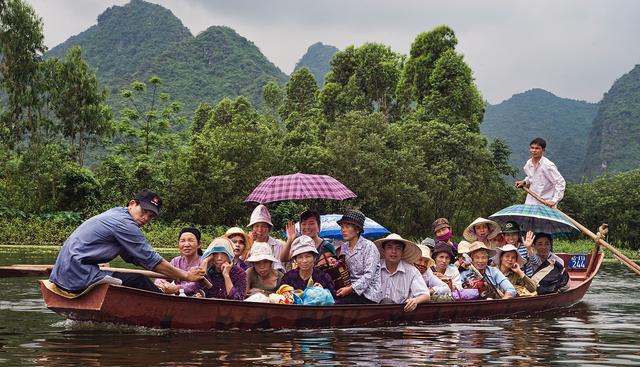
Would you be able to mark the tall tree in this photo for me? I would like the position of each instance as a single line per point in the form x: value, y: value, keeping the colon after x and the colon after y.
x: 300, y: 94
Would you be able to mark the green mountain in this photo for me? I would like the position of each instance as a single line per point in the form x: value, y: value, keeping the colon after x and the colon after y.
x: 318, y: 60
x: 139, y: 40
x: 563, y: 123
x: 614, y: 141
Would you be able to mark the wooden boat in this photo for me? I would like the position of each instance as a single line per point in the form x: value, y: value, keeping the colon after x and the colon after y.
x: 124, y: 305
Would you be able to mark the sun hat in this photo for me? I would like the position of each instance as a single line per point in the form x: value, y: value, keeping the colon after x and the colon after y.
x: 260, y: 214
x: 235, y: 231
x: 220, y: 245
x: 429, y: 242
x: 470, y: 234
x: 411, y: 251
x: 510, y: 227
x: 479, y: 245
x: 354, y: 217
x: 443, y: 247
x: 149, y: 200
x: 301, y: 245
x: 507, y: 248
x: 440, y: 223
x: 261, y: 251
x: 463, y: 247
x: 426, y: 253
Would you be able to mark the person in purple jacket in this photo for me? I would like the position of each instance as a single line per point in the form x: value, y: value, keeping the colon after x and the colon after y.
x: 304, y: 252
x: 189, y: 243
x: 229, y: 281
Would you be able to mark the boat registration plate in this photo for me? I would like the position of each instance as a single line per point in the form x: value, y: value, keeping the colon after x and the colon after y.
x: 578, y: 262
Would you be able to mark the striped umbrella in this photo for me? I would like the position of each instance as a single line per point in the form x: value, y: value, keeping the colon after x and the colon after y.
x: 536, y: 218
x: 299, y: 186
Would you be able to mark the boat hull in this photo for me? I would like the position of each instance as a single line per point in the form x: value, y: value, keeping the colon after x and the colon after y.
x: 118, y: 304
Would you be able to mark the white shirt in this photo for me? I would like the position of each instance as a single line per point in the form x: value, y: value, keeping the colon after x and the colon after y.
x: 404, y: 283
x: 276, y: 248
x: 439, y: 287
x: 544, y: 180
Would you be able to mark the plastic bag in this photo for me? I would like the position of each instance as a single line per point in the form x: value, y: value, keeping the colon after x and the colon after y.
x: 466, y: 294
x: 317, y: 296
x: 258, y: 297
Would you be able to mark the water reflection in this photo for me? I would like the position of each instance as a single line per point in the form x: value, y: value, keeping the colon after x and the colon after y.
x: 602, y: 330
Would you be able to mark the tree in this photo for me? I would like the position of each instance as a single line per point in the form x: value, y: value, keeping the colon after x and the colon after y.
x: 301, y: 92
x: 203, y: 113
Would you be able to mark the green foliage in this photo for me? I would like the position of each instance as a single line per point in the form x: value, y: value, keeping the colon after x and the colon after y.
x: 300, y: 92
x: 563, y: 123
x: 317, y: 59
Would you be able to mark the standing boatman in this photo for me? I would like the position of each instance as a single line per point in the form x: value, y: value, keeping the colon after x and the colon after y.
x: 543, y: 177
x: 103, y: 237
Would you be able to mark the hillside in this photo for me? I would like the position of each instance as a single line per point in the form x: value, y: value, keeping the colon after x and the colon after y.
x: 318, y: 60
x: 563, y: 123
x: 139, y: 39
x: 614, y: 140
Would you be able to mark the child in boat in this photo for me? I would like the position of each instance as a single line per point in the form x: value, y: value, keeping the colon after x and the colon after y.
x: 303, y: 252
x: 189, y: 242
x: 241, y: 246
x: 262, y: 275
x: 479, y: 253
x: 401, y: 282
x: 511, y: 233
x: 483, y: 230
x: 444, y: 269
x: 439, y: 290
x: 510, y: 263
x: 229, y: 281
x: 363, y: 262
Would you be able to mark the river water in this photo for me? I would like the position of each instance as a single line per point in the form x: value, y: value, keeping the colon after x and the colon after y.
x: 604, y: 329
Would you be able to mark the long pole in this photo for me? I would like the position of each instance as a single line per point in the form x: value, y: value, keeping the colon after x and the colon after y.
x: 617, y: 254
x: 151, y: 274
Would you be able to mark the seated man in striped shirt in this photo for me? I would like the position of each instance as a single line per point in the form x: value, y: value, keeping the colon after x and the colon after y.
x: 401, y: 281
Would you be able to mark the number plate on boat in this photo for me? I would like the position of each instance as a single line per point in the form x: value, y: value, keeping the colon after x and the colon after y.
x: 578, y: 262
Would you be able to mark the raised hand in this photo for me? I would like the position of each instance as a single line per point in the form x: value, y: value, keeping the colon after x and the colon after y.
x: 291, y: 230
x: 528, y: 240
x: 516, y: 269
x: 226, y: 269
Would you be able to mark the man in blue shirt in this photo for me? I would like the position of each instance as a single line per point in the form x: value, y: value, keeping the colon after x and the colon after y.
x: 103, y: 237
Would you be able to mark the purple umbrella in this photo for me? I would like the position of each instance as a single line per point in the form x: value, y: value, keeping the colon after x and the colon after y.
x: 299, y: 186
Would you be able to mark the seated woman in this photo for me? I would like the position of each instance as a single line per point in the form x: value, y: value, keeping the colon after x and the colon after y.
x: 241, y: 246
x: 550, y: 274
x: 189, y: 246
x: 363, y: 262
x: 310, y: 226
x: 262, y: 275
x: 511, y: 234
x: 438, y: 289
x: 229, y: 281
x: 444, y: 269
x: 480, y: 253
x: 510, y: 262
x: 303, y: 252
x: 483, y: 230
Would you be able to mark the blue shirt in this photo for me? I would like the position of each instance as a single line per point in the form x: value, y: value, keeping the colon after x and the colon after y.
x: 496, y: 278
x: 101, y: 239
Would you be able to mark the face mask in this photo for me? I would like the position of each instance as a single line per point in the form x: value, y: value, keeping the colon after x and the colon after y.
x: 445, y: 237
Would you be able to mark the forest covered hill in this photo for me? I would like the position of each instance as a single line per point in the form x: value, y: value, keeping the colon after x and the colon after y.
x: 318, y: 60
x: 563, y: 123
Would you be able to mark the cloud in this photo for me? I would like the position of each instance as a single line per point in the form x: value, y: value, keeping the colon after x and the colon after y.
x: 574, y: 48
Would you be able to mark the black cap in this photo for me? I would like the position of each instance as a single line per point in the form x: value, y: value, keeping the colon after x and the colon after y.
x: 149, y: 200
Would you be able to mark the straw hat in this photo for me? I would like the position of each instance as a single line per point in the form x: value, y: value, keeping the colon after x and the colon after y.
x: 235, y: 231
x: 426, y: 253
x: 411, y: 251
x: 260, y: 214
x: 463, y: 247
x: 261, y: 251
x: 479, y: 245
x: 470, y: 234
x: 301, y: 245
x: 220, y: 245
x: 507, y: 248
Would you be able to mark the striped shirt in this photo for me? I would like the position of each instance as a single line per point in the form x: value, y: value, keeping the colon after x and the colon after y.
x: 528, y: 266
x: 404, y: 283
x: 432, y: 281
x: 363, y: 264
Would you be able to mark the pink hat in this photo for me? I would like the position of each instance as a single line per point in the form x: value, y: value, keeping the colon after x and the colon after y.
x: 260, y: 214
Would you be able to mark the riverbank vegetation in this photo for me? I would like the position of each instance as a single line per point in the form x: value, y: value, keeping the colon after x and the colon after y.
x: 402, y: 131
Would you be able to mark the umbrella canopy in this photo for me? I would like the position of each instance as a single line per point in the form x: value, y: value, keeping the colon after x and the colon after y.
x: 299, y: 186
x: 329, y: 227
x: 536, y: 218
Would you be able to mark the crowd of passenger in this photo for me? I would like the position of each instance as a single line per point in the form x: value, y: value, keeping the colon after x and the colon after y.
x: 492, y: 262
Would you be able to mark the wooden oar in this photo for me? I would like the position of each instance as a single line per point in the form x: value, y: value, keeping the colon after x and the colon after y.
x: 617, y: 254
x: 151, y: 274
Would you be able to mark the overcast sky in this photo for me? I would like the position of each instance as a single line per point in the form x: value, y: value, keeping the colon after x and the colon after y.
x: 574, y: 49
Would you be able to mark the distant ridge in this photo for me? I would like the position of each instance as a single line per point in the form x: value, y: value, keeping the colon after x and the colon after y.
x: 318, y: 60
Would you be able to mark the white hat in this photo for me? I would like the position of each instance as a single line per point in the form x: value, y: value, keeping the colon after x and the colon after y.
x: 507, y: 248
x: 301, y: 245
x: 463, y: 247
x: 470, y: 234
x: 426, y: 253
x: 411, y: 252
x: 261, y: 251
x: 260, y: 214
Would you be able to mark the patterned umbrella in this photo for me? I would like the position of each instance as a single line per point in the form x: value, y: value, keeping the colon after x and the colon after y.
x: 329, y: 227
x: 297, y: 187
x: 536, y: 218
